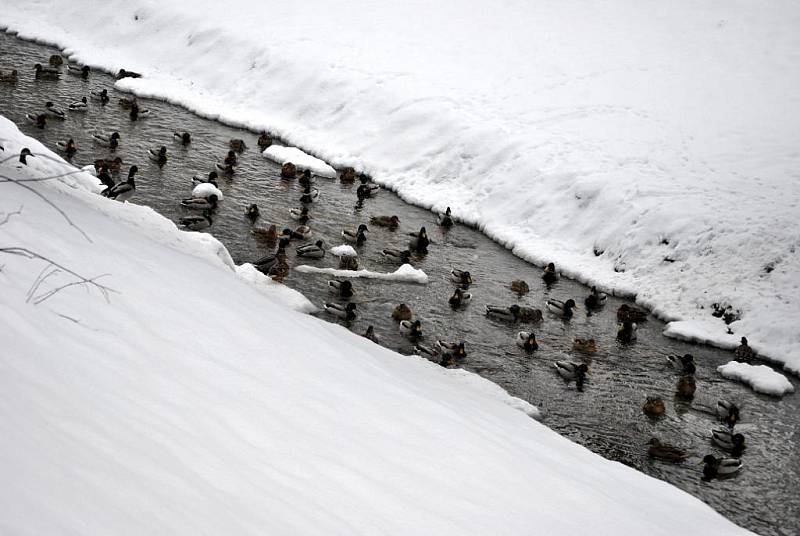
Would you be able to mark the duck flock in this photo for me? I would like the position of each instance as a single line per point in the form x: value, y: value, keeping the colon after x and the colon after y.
x: 206, y: 196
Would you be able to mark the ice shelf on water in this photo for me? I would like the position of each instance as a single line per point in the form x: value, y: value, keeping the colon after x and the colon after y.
x: 760, y: 377
x: 302, y: 160
x: 405, y: 273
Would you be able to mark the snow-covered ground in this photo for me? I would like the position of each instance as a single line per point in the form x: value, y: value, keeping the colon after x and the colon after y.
x: 760, y: 377
x: 281, y: 155
x: 190, y: 402
x: 650, y: 148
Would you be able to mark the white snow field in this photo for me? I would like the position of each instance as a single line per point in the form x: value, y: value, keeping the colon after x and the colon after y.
x: 760, y: 377
x: 191, y: 403
x: 662, y: 136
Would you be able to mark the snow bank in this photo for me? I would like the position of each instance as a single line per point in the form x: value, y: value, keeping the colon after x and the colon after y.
x: 659, y: 146
x: 281, y: 293
x: 760, y: 377
x: 406, y: 273
x: 188, y: 403
x: 281, y: 155
x: 344, y: 250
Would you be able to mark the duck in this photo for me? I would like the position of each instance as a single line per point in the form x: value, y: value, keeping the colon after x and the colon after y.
x: 550, y: 275
x: 137, y: 112
x: 529, y: 315
x: 626, y: 332
x: 252, y: 212
x: 9, y: 77
x: 743, y: 354
x: 79, y: 106
x: 520, y: 287
x: 426, y: 351
x: 396, y: 255
x: 457, y: 350
x: 584, y: 346
x: 40, y: 120
x: 348, y: 174
x: 727, y: 440
x: 309, y: 195
x: 595, y: 299
x: 125, y: 103
x: 51, y: 110
x: 527, y: 341
x: 312, y: 251
x: 391, y: 222
x: 264, y: 140
x: 446, y: 219
x: 124, y: 190
x: 101, y: 96
x: 67, y: 147
x: 211, y: 179
x: 270, y: 234
x: 158, y: 156
x: 714, y: 467
x: 343, y: 289
x: 686, y: 387
x: 46, y: 73
x: 348, y: 263
x: 419, y: 241
x: 347, y: 312
x: 305, y: 178
x: 111, y: 165
x: 411, y: 329
x: 112, y: 141
x: 184, y: 137
x: 462, y: 277
x: 201, y: 203
x: 23, y: 156
x: 626, y: 312
x: 237, y: 145
x: 288, y: 170
x: 370, y: 334
x: 357, y: 237
x: 365, y: 191
x: 507, y: 314
x: 402, y: 312
x: 207, y: 189
x: 684, y: 363
x: 105, y: 178
x: 78, y: 70
x: 570, y: 371
x: 299, y: 214
x: 266, y: 263
x: 654, y: 406
x: 56, y: 60
x: 728, y: 412
x: 663, y: 451
x: 303, y: 232
x: 459, y: 298
x: 127, y: 74
x: 196, y: 223
x: 560, y: 308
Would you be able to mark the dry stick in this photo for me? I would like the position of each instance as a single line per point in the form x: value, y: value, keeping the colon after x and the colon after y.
x: 9, y: 214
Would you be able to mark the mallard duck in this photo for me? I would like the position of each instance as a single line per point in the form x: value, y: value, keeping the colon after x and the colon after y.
x: 560, y: 308
x: 385, y: 221
x: 288, y: 171
x: 727, y: 440
x: 584, y: 346
x: 402, y: 312
x: 137, y: 112
x: 303, y: 232
x: 570, y: 371
x: 158, y: 156
x: 124, y: 190
x: 104, y: 177
x: 111, y: 165
x: 347, y: 312
x: 127, y: 74
x: 654, y: 406
x: 9, y: 77
x: 196, y: 223
x: 550, y: 275
x: 528, y: 315
x: 743, y: 354
x: 46, y: 73
x: 458, y: 350
x: 23, y: 156
x: 270, y: 234
x: 266, y: 263
x: 79, y: 106
x: 264, y: 140
x: 520, y: 287
x: 595, y: 299
x: 459, y: 298
x: 309, y: 195
x: 527, y: 341
x: 357, y: 237
x: 419, y: 241
x: 40, y: 120
x: 396, y: 255
x: 462, y: 277
x: 426, y: 351
x: 684, y: 363
x: 370, y: 334
x: 211, y: 179
x: 728, y: 412
x: 101, y: 96
x: 56, y: 60
x: 348, y: 174
x: 224, y: 169
x: 686, y: 387
x: 252, y: 212
x: 344, y: 289
x: 312, y: 251
x: 305, y: 178
x: 626, y: 332
x: 411, y: 329
x: 446, y: 219
x: 626, y: 312
x: 125, y: 103
x: 365, y: 191
x: 348, y: 263
x: 67, y: 147
x: 112, y: 141
x: 201, y: 203
x: 237, y: 145
x: 665, y: 452
x: 719, y: 466
x: 78, y: 70
x: 184, y: 137
x: 51, y: 111
x: 507, y: 314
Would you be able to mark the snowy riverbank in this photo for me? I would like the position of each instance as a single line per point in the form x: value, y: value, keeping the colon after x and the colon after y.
x: 190, y: 402
x: 661, y: 138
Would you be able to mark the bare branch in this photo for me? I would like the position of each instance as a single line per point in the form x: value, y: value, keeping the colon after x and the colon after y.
x: 8, y: 215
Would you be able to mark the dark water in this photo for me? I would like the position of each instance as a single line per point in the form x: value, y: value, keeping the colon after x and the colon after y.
x: 606, y: 417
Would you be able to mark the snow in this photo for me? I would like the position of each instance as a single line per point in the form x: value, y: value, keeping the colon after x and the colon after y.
x: 760, y: 377
x: 406, y: 273
x: 281, y: 155
x: 191, y: 403
x: 662, y: 139
x: 207, y: 189
x: 281, y: 293
x: 344, y: 250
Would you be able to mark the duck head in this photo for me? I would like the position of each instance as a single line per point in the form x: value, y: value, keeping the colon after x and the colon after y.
x: 286, y: 232
x: 23, y: 154
x: 231, y: 154
x: 186, y: 138
x: 416, y: 328
x: 48, y: 104
x: 104, y: 93
x: 394, y: 220
x: 466, y: 278
x: 132, y: 172
x: 346, y: 286
x: 115, y: 136
x: 212, y: 200
x: 162, y: 151
x: 514, y: 309
x: 321, y: 244
x: 569, y: 304
x: 252, y: 210
x: 362, y: 229
x: 551, y: 267
x: 744, y: 341
x: 461, y: 351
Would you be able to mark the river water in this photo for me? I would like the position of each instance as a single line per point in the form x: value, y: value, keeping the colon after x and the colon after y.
x: 606, y: 417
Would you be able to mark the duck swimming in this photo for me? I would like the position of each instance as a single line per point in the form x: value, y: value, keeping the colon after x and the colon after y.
x: 348, y: 174
x: 112, y: 141
x: 507, y: 314
x: 570, y: 371
x: 728, y: 412
x: 426, y: 351
x: 9, y: 77
x: 344, y: 289
x: 252, y: 212
x: 266, y: 263
x: 654, y: 406
x: 101, y: 96
x: 457, y: 350
x: 77, y: 70
x: 184, y: 137
x: 270, y: 234
x: 211, y: 179
x: 237, y: 145
x: 584, y: 346
x: 715, y: 467
x: 411, y: 329
x: 347, y: 312
x: 561, y: 308
x: 459, y: 298
x: 626, y: 332
x: 419, y: 241
x: 370, y: 334
x: 201, y: 203
x: 684, y: 363
x: 550, y: 275
x: 264, y: 140
x: 56, y: 60
x: 288, y: 171
x: 462, y: 277
x: 390, y: 222
x: 626, y: 312
x: 527, y: 341
x: 402, y: 312
x: 520, y: 287
x: 159, y: 156
x: 46, y: 73
x: 300, y: 214
x: 396, y: 255
x: 51, y: 110
x: 124, y: 190
x: 67, y: 147
x: 127, y: 74
x: 79, y: 106
x: 596, y: 299
x: 727, y: 440
x: 196, y: 223
x: 446, y: 219
x: 40, y: 120
x: 686, y: 387
x: 357, y: 237
x: 743, y: 354
x: 305, y: 178
x: 311, y: 251
x: 665, y: 452
x: 309, y: 195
